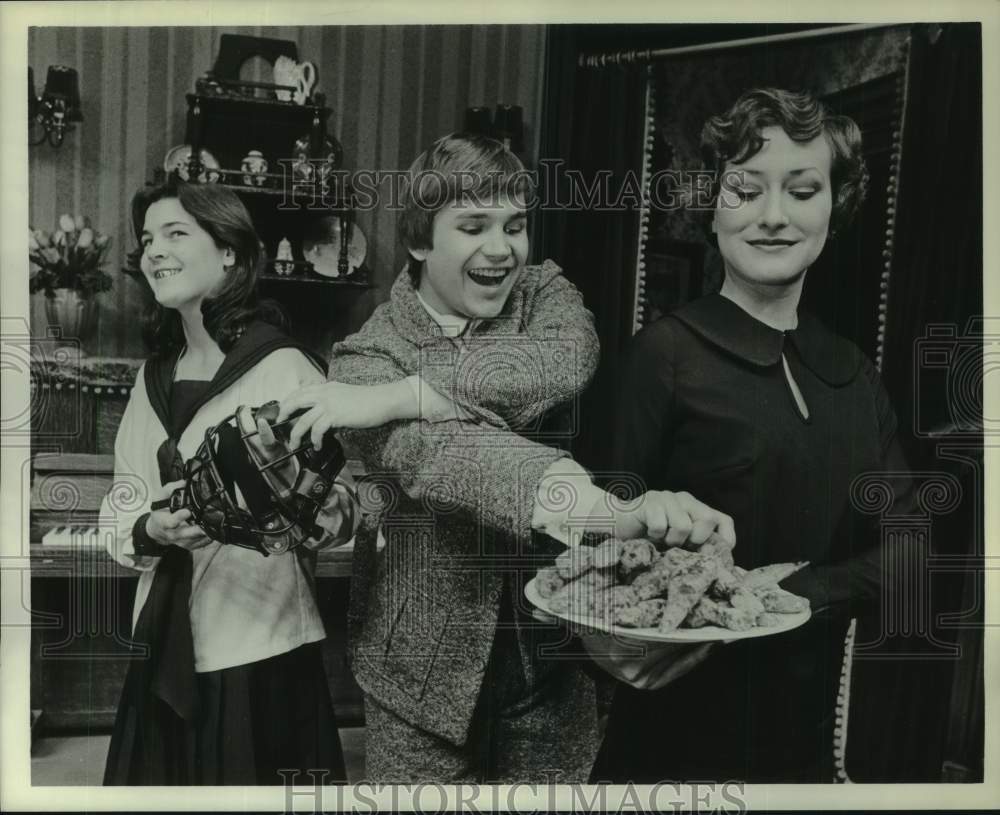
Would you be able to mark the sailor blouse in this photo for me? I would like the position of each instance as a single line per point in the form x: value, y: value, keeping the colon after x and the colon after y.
x: 244, y: 607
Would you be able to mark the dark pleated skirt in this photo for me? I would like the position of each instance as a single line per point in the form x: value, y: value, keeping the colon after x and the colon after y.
x: 251, y: 721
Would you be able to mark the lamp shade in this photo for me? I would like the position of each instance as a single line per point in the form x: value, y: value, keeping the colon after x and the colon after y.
x: 508, y: 123
x: 479, y: 121
x: 64, y: 83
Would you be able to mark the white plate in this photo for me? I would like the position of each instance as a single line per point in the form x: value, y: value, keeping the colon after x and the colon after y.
x: 324, y: 255
x: 708, y: 633
x: 177, y: 159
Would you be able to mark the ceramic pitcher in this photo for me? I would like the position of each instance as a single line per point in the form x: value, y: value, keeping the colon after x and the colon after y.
x: 304, y: 79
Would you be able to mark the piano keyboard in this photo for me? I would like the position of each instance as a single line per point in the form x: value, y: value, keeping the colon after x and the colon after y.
x: 73, y: 535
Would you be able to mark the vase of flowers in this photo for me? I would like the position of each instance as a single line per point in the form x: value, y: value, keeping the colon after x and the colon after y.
x: 66, y: 265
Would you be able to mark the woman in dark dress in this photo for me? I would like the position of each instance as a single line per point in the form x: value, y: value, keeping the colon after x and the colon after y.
x: 761, y: 411
x: 230, y: 688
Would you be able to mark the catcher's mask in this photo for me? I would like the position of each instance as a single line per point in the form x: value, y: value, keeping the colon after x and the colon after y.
x: 282, y: 490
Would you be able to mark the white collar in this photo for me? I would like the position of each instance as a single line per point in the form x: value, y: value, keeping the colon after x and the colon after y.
x: 451, y: 325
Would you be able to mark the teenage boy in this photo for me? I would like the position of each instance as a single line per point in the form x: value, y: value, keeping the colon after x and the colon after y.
x: 447, y: 393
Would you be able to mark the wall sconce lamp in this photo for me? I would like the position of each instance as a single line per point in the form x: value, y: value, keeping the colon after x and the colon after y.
x: 54, y: 113
x: 506, y: 124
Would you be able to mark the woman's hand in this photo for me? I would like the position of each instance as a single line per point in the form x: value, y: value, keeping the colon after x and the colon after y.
x: 673, y: 517
x: 336, y: 404
x: 175, y: 528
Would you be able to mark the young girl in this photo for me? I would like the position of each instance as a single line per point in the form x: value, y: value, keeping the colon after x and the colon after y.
x: 231, y: 688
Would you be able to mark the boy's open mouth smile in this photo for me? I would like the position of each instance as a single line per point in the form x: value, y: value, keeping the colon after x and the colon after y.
x: 160, y: 274
x: 489, y: 275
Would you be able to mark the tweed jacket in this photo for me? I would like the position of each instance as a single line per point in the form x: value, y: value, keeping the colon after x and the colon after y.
x: 454, y: 499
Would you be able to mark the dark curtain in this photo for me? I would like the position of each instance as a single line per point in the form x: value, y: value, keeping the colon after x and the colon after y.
x: 842, y: 287
x: 938, y: 262
x: 601, y: 130
x: 919, y: 719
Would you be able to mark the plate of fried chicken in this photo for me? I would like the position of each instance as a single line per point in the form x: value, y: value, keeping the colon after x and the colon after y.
x: 640, y: 591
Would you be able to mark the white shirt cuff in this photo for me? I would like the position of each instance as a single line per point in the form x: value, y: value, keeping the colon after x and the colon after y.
x: 568, y: 504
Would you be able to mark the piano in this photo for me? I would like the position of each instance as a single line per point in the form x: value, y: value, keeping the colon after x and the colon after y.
x: 66, y: 494
x: 81, y: 601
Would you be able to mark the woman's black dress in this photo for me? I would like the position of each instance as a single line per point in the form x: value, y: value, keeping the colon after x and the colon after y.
x: 706, y: 407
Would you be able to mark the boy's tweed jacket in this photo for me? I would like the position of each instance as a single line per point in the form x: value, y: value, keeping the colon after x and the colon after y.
x: 455, y: 499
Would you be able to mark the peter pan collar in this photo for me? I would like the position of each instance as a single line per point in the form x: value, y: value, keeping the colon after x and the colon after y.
x: 724, y: 324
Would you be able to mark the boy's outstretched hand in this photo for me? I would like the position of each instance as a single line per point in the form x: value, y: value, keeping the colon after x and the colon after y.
x: 673, y: 517
x: 336, y: 404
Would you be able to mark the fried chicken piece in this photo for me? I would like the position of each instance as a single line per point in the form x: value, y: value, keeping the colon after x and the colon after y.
x: 768, y: 620
x: 698, y: 618
x: 608, y: 553
x: 645, y: 614
x: 583, y: 595
x: 574, y: 561
x: 770, y: 575
x: 725, y: 584
x: 618, y: 597
x: 716, y: 545
x: 676, y: 556
x: 636, y: 554
x: 653, y: 582
x: 711, y: 612
x: 779, y: 601
x: 548, y: 581
x: 597, y: 577
x: 650, y: 584
x: 746, y: 599
x: 686, y: 586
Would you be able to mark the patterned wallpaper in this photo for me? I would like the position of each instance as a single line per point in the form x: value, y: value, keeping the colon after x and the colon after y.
x: 393, y: 89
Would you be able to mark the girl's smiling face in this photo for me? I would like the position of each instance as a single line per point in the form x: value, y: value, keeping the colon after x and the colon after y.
x: 773, y: 212
x: 479, y: 251
x: 180, y: 259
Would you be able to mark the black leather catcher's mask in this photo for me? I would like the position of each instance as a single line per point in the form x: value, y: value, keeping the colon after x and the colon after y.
x: 248, y: 488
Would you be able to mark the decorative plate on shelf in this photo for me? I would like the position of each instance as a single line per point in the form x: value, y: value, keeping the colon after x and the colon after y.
x: 177, y: 159
x: 321, y: 246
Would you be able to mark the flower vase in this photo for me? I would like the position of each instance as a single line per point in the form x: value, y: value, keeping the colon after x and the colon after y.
x: 74, y: 316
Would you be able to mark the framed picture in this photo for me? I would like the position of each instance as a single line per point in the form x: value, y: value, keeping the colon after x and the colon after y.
x: 673, y: 276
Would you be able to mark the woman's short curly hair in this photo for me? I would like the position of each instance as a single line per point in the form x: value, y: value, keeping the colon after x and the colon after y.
x: 735, y: 137
x: 456, y: 166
